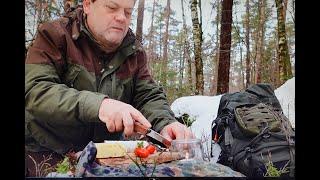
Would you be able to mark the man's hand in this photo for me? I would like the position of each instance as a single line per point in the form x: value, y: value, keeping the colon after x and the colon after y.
x: 176, y: 130
x: 120, y: 116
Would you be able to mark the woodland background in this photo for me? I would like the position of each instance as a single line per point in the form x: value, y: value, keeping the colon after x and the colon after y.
x: 206, y: 47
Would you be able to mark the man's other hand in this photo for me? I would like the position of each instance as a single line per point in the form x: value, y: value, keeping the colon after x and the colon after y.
x: 120, y: 116
x: 176, y: 130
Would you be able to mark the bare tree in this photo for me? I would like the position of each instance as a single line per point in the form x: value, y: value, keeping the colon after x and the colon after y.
x: 186, y: 51
x: 38, y: 12
x: 247, y: 40
x: 213, y: 90
x: 151, y: 46
x: 140, y: 20
x: 197, y: 38
x: 283, y: 55
x: 260, y: 39
x: 165, y: 45
x: 225, y: 45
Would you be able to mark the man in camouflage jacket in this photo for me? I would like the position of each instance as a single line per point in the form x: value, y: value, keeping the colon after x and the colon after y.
x: 87, y: 79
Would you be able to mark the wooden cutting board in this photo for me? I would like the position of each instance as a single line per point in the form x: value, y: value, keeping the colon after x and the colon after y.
x: 158, y: 157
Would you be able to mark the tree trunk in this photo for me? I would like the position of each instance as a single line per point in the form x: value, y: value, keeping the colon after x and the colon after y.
x: 151, y: 45
x: 186, y: 51
x: 181, y: 67
x: 197, y: 47
x: 275, y: 52
x: 260, y: 40
x: 293, y: 11
x: 215, y: 63
x: 247, y: 27
x: 277, y: 64
x: 284, y: 58
x: 285, y: 5
x: 225, y: 45
x: 165, y: 45
x: 200, y: 23
x: 160, y: 56
x: 140, y: 21
x: 241, y: 68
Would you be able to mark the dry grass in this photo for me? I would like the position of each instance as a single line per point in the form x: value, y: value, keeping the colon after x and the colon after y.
x: 43, y: 167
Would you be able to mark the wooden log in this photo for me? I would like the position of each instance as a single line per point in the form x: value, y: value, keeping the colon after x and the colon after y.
x: 158, y: 157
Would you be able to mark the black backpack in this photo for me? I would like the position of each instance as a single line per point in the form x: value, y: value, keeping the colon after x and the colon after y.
x: 252, y: 131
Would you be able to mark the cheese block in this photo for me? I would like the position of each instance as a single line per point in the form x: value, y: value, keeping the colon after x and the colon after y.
x: 105, y: 150
x: 129, y: 145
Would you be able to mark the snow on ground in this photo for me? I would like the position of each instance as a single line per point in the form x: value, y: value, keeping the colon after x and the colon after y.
x: 286, y: 97
x: 205, y: 108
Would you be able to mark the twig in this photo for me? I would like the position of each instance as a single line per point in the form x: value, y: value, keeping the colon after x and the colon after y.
x: 154, y: 166
x: 135, y: 162
x: 43, y: 167
x: 204, y: 140
x: 35, y: 164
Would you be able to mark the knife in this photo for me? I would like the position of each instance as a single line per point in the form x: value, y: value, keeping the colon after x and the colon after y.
x: 139, y: 128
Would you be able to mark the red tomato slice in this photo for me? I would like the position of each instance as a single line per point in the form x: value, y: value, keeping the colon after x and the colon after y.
x: 151, y: 149
x: 141, y: 152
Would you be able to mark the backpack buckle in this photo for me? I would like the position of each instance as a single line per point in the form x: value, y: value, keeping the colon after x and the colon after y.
x: 248, y: 149
x: 266, y: 135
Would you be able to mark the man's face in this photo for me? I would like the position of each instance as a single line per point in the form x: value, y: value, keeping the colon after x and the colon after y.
x: 109, y: 20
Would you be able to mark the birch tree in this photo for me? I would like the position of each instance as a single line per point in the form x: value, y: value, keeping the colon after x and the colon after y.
x: 186, y: 49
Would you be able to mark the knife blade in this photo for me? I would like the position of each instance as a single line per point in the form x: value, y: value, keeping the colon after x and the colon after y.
x: 139, y: 128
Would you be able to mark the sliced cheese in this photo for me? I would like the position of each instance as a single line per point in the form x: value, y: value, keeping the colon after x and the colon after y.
x: 105, y: 150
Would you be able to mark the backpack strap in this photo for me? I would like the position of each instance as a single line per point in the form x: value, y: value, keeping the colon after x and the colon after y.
x: 292, y: 162
x: 289, y: 134
x: 292, y: 157
x: 228, y: 138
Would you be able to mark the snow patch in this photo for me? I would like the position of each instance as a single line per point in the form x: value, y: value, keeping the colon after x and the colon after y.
x: 286, y: 97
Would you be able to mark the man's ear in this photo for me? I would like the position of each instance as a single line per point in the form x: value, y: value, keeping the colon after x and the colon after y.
x: 86, y: 6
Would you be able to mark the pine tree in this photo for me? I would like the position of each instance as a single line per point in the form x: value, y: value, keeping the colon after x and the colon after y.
x: 225, y: 44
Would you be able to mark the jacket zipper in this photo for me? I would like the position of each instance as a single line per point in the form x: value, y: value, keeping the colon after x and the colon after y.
x: 113, y: 85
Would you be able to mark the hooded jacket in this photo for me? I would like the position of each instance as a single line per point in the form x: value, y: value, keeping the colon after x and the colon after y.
x: 67, y: 76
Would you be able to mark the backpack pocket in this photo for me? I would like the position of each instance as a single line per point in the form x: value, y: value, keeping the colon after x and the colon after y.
x: 253, y: 119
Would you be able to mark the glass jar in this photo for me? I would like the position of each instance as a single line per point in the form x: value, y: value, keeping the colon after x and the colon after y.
x: 190, y: 149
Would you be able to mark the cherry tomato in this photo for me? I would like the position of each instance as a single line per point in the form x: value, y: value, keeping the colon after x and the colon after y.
x: 151, y: 148
x: 141, y: 152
